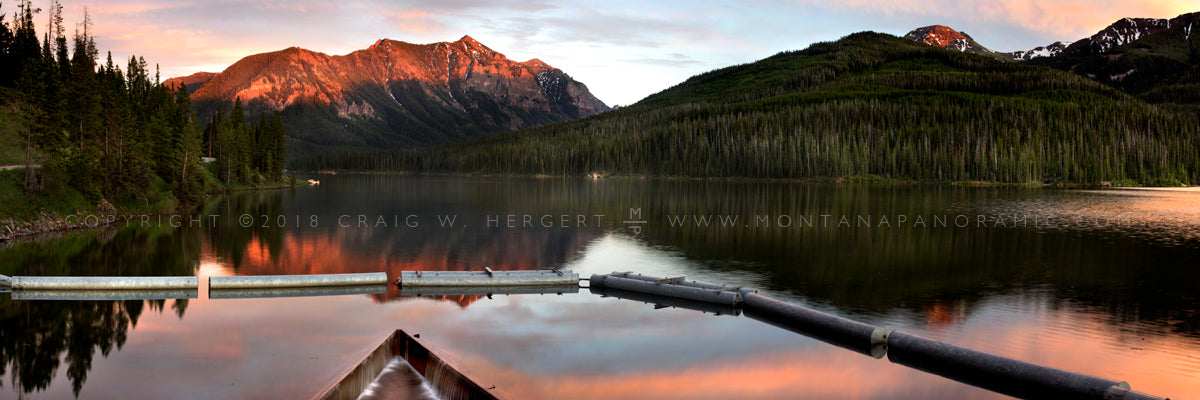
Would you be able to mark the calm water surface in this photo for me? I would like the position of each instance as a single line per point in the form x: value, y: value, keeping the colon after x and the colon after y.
x: 1101, y: 282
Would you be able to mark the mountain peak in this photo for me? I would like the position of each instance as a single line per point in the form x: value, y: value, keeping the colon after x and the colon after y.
x: 193, y: 82
x: 1125, y: 31
x: 1128, y: 30
x: 1050, y: 50
x: 381, y: 42
x: 470, y: 42
x: 947, y: 38
x: 395, y: 83
x: 936, y: 35
x: 537, y: 65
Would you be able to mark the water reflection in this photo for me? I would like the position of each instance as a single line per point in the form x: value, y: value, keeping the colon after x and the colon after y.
x: 1115, y: 301
x: 39, y: 336
x: 875, y: 270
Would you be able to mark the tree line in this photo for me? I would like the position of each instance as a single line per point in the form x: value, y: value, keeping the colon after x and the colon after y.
x: 869, y: 104
x: 118, y: 133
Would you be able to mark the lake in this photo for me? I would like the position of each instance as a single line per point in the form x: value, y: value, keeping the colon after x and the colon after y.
x: 1103, y: 282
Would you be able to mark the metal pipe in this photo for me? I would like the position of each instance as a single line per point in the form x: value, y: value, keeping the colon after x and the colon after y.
x: 661, y: 301
x: 679, y: 281
x: 848, y: 334
x: 291, y: 281
x: 5, y: 282
x: 486, y: 290
x: 996, y: 373
x: 103, y: 282
x: 667, y: 289
x: 484, y: 278
x: 124, y: 294
x: 255, y: 293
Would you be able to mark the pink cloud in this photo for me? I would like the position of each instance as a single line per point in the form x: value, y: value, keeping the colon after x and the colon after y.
x: 1069, y: 19
x: 418, y: 21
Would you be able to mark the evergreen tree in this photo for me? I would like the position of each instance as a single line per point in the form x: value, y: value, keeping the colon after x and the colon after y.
x: 8, y: 74
x: 24, y: 48
x: 190, y: 182
x: 114, y: 134
x: 278, y: 145
x: 238, y: 143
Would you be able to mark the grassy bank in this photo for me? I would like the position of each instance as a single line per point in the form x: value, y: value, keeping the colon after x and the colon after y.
x: 59, y: 207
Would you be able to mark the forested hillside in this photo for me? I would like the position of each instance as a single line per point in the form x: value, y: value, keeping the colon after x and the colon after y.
x: 868, y: 104
x: 87, y: 136
x: 1163, y: 66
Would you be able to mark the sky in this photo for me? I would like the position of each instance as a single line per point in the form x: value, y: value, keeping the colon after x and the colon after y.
x: 622, y: 50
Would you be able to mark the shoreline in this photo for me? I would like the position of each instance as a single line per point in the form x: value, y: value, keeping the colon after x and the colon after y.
x: 12, y: 230
x: 856, y: 179
x: 1161, y: 188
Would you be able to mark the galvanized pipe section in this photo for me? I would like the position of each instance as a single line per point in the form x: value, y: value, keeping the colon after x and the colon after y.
x: 848, y: 334
x: 256, y: 293
x: 410, y: 279
x: 103, y: 282
x: 136, y: 294
x: 996, y: 373
x: 660, y: 301
x: 486, y: 290
x: 727, y: 298
x: 711, y: 286
x: 293, y: 281
x: 5, y: 282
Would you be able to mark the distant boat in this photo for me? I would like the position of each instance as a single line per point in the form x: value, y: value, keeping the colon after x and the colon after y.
x: 314, y: 182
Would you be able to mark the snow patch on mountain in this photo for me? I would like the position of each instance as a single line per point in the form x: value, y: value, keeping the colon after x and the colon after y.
x: 1051, y: 50
x: 1125, y: 31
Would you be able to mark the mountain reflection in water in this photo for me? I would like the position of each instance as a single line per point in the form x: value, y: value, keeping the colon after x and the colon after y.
x: 1116, y: 301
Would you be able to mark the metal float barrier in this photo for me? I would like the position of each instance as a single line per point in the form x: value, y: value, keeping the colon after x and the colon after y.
x: 293, y: 281
x: 681, y: 281
x: 1001, y: 374
x: 487, y: 277
x: 848, y: 334
x: 260, y: 293
x: 18, y: 283
x: 729, y: 296
x: 989, y: 371
x: 487, y: 290
x: 664, y: 302
x: 121, y: 294
x: 985, y: 370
